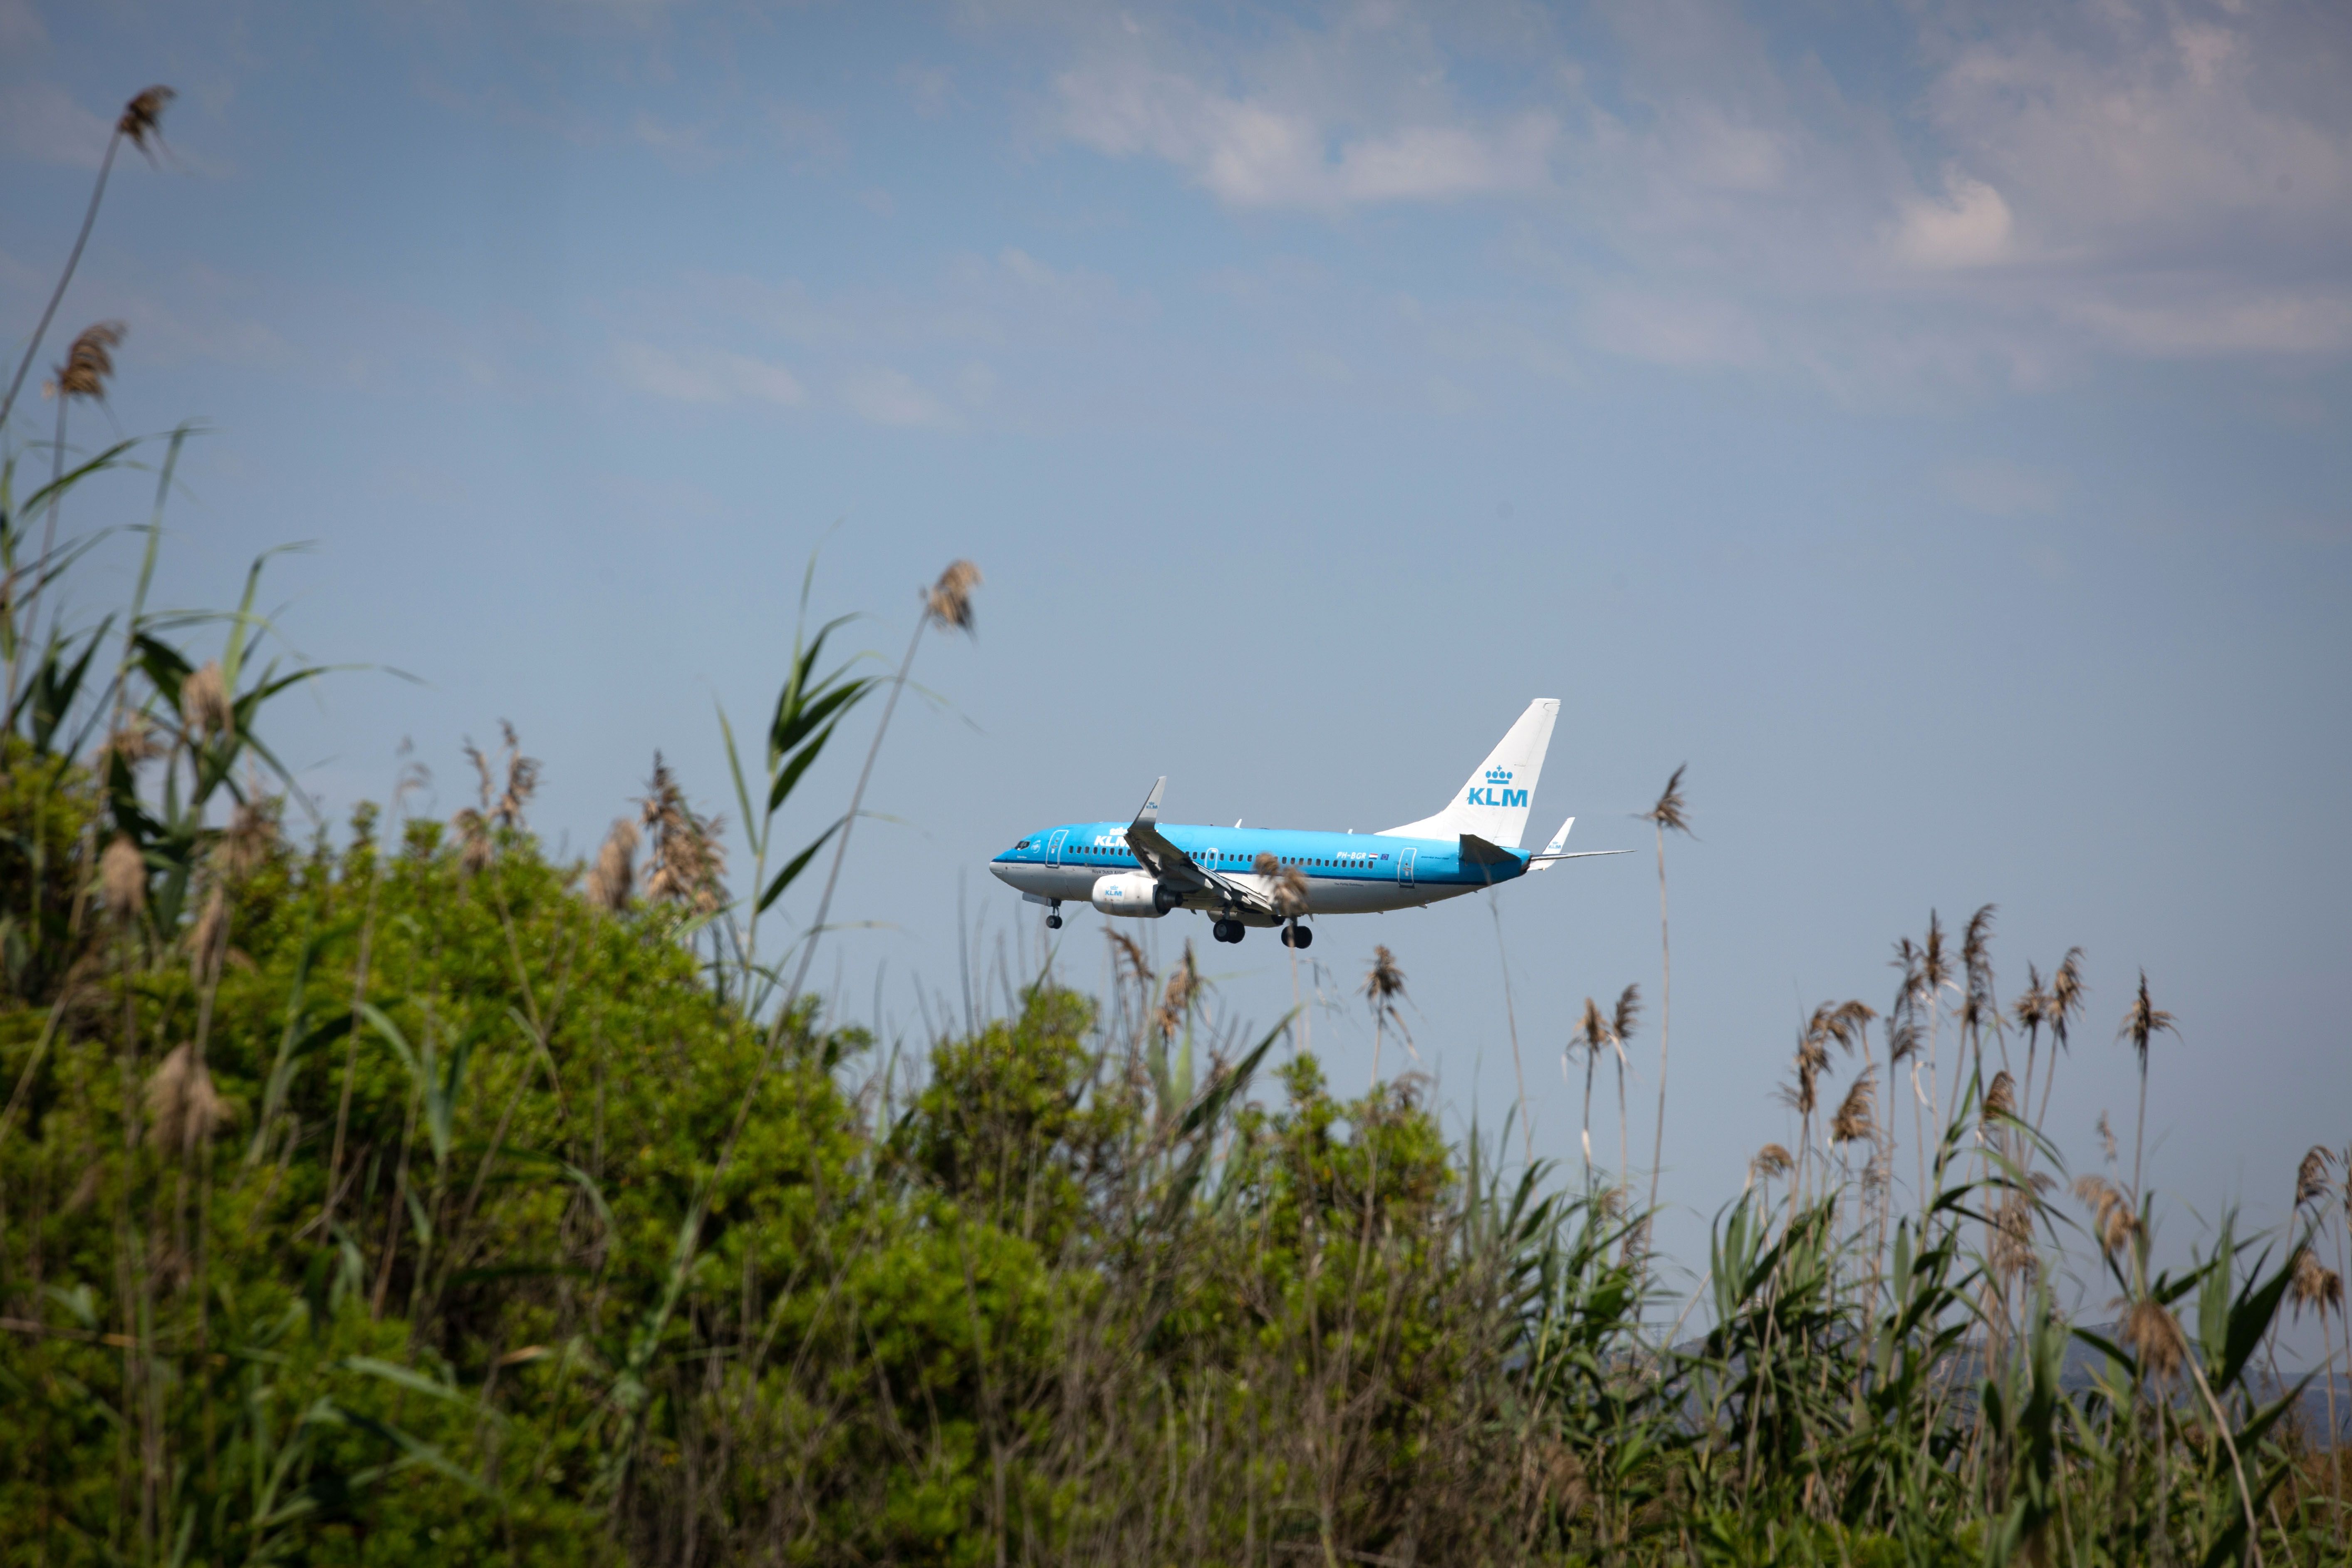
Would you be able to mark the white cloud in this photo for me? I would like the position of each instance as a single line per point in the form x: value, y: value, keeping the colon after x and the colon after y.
x: 889, y: 396
x: 40, y: 122
x: 706, y: 375
x: 1252, y: 153
x: 1968, y: 228
x: 2000, y: 488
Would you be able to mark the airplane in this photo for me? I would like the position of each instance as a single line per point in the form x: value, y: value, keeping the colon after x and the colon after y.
x: 1145, y: 869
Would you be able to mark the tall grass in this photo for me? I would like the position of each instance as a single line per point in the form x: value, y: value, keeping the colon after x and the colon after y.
x: 388, y: 1192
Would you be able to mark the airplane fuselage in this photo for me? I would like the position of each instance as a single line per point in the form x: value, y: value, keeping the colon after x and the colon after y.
x: 1345, y: 873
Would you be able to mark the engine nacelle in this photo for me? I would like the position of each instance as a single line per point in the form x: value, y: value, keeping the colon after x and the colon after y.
x: 1134, y: 893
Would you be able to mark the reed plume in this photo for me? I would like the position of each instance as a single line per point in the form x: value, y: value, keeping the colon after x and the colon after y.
x: 132, y: 743
x: 1384, y: 989
x: 2314, y: 1286
x: 2143, y: 1021
x: 686, y: 860
x: 2311, y: 1183
x: 208, y: 937
x: 948, y: 602
x: 612, y: 879
x: 204, y: 706
x: 1980, y: 1009
x: 1183, y: 989
x: 122, y: 878
x: 2112, y: 1220
x: 1623, y: 1019
x: 1125, y: 952
x: 1670, y: 813
x: 2000, y: 1100
x: 1591, y: 1034
x: 1771, y: 1160
x: 183, y: 1109
x: 88, y: 363
x: 2066, y: 1000
x: 141, y: 119
x: 1857, y: 1120
x: 2153, y: 1336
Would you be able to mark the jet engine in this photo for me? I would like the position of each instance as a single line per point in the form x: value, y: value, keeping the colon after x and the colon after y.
x: 1135, y: 893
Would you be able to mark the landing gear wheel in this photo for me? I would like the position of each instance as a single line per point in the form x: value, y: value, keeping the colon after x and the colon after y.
x: 1226, y: 930
x: 1298, y: 936
x: 1052, y: 922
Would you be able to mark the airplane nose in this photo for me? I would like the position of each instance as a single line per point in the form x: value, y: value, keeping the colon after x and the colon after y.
x: 1003, y: 871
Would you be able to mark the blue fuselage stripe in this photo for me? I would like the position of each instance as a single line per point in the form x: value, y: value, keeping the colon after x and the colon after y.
x: 1234, y: 851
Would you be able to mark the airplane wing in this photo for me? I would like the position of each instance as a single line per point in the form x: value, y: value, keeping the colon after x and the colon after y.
x: 1169, y: 864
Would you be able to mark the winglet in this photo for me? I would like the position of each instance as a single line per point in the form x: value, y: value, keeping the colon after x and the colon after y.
x: 1149, y: 816
x: 1559, y: 842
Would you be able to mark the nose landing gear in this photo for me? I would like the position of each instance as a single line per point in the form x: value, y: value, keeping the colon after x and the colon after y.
x: 1054, y: 916
x: 1227, y: 931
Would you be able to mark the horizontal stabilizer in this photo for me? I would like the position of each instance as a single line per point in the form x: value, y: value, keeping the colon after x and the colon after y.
x: 1551, y: 850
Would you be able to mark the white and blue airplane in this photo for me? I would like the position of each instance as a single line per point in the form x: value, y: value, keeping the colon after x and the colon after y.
x: 1145, y: 869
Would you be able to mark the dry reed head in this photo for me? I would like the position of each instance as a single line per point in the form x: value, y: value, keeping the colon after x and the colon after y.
x: 1935, y: 965
x: 1906, y: 990
x: 1384, y: 982
x: 2112, y: 1220
x: 1857, y: 1120
x: 474, y: 849
x: 204, y: 706
x: 1592, y: 1030
x: 89, y: 362
x: 1288, y: 893
x: 2012, y: 1237
x: 1978, y: 1007
x: 1627, y: 1016
x: 133, y: 741
x: 1124, y: 953
x: 183, y: 1109
x: 1771, y: 1160
x: 2310, y: 1182
x: 208, y: 937
x: 2066, y: 989
x: 1562, y: 1477
x: 122, y: 878
x: 2143, y: 1021
x: 251, y: 834
x: 522, y: 781
x: 1182, y: 992
x: 1636, y: 1250
x: 2314, y: 1286
x: 2106, y: 1138
x: 2001, y: 1100
x: 2031, y: 1008
x: 1669, y: 813
x: 1901, y: 1041
x: 613, y: 878
x: 2153, y: 1336
x: 687, y: 861
x: 948, y: 602
x: 144, y: 116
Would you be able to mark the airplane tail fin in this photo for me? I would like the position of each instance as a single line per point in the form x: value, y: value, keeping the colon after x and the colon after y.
x: 1553, y: 850
x: 1493, y: 805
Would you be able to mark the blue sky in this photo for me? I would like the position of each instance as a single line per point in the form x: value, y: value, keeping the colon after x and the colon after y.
x: 1927, y: 421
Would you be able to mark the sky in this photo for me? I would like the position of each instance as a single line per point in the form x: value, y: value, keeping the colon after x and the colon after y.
x: 1927, y: 422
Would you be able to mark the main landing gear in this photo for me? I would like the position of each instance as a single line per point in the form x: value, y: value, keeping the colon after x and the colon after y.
x: 1298, y: 936
x: 1054, y: 916
x: 1228, y: 930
